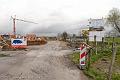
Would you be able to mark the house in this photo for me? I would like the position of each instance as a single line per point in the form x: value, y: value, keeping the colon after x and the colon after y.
x: 96, y: 24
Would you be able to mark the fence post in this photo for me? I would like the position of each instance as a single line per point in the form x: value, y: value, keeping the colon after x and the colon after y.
x: 113, y: 60
x: 89, y: 58
x: 102, y: 45
x: 95, y: 44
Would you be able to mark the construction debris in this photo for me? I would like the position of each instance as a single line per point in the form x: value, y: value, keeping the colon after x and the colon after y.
x: 16, y: 42
x: 37, y: 41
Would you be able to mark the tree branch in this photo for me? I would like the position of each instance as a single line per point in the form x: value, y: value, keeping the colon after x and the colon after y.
x: 118, y: 28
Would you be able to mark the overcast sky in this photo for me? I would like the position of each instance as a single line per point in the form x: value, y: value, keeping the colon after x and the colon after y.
x: 52, y: 15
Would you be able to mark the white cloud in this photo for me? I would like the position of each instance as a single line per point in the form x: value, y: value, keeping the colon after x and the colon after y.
x: 50, y: 12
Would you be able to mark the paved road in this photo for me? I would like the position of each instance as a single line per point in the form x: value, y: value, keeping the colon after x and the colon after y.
x: 46, y: 62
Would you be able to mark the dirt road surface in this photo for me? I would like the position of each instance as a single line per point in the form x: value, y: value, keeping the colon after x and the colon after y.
x: 46, y: 62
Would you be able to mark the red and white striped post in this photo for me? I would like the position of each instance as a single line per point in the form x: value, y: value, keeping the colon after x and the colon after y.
x: 83, y: 52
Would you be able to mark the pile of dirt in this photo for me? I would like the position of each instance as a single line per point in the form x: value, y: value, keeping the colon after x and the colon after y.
x: 43, y: 40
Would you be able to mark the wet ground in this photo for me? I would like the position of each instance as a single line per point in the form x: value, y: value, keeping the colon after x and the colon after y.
x: 45, y: 62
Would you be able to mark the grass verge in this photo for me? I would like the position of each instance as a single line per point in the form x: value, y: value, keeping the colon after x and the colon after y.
x: 95, y: 73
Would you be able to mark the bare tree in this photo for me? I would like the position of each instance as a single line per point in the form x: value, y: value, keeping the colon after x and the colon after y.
x: 114, y: 18
x: 64, y: 36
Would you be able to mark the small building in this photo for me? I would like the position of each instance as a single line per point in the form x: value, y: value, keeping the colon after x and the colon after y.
x: 101, y: 28
x: 96, y: 24
x: 96, y: 28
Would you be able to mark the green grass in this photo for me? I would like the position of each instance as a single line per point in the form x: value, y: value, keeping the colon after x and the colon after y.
x: 94, y: 74
x: 106, y: 52
x: 116, y: 76
x: 110, y: 39
x: 91, y: 73
x: 75, y: 57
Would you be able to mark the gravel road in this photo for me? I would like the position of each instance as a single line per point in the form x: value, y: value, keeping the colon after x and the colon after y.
x: 46, y: 62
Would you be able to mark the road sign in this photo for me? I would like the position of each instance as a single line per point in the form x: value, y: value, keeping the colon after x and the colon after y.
x: 98, y: 34
x: 83, y: 50
x: 19, y: 43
